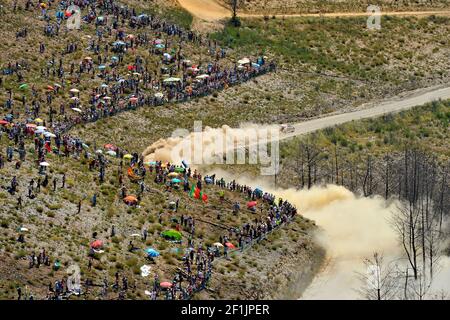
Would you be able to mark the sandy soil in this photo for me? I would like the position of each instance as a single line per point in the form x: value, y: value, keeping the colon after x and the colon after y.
x: 210, y: 10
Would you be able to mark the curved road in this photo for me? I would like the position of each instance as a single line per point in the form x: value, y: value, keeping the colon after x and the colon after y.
x: 370, y: 110
x: 210, y: 10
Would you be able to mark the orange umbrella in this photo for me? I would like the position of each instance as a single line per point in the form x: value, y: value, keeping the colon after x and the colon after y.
x: 97, y: 244
x: 165, y: 284
x: 109, y: 146
x: 50, y: 88
x: 130, y: 200
x: 230, y: 245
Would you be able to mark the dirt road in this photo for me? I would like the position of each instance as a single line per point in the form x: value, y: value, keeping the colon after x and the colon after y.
x: 210, y: 10
x: 373, y: 109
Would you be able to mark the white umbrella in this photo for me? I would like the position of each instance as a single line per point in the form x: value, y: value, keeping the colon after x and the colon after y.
x: 111, y: 153
x: 135, y: 235
x: 74, y: 90
x: 99, y: 151
x: 41, y: 128
x: 44, y: 164
x: 244, y: 61
x: 172, y: 80
x: 39, y: 131
x: 50, y: 135
x: 74, y: 98
x: 24, y: 229
x: 76, y: 109
x: 159, y: 95
x: 202, y: 76
x: 217, y: 244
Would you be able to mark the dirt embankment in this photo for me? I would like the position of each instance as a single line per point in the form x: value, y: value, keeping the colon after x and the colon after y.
x: 281, y: 268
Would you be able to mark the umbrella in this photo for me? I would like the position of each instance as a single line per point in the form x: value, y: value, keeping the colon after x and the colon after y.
x: 44, y: 164
x: 57, y: 85
x: 3, y: 122
x: 39, y: 131
x: 251, y: 204
x: 102, y: 67
x: 98, y: 151
x: 104, y: 85
x: 49, y: 87
x: 172, y: 80
x: 74, y: 90
x: 176, y: 180
x: 160, y: 46
x: 158, y: 41
x: 244, y: 61
x: 202, y: 76
x: 97, y: 244
x: 152, y: 252
x: 173, y: 174
x: 74, y: 98
x: 130, y: 200
x: 50, y: 135
x: 23, y: 86
x: 77, y: 109
x: 88, y: 58
x: 165, y: 285
x: 218, y: 244
x: 41, y: 128
x: 119, y: 43
x: 38, y: 120
x: 114, y: 58
x: 172, y: 234
x: 167, y: 56
x: 128, y: 156
x: 23, y: 229
x: 111, y: 153
x: 29, y: 125
x: 133, y: 99
x: 110, y: 147
x: 159, y: 95
x: 229, y: 245
x: 179, y: 170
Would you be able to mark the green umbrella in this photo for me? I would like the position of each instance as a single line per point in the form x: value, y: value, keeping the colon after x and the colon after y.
x: 171, y: 234
x: 23, y: 86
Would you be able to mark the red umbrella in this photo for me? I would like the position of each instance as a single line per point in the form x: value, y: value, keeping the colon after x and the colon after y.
x: 165, y: 285
x: 130, y: 67
x: 97, y: 244
x: 31, y: 125
x: 3, y: 122
x: 109, y: 146
x: 133, y: 100
x: 229, y: 245
x: 251, y: 204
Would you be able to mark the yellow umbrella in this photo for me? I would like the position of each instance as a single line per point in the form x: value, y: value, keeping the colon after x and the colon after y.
x: 128, y: 156
x: 38, y: 120
x: 173, y: 174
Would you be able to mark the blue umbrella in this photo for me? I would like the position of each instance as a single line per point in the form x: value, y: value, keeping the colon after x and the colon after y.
x: 175, y: 180
x: 159, y: 46
x: 119, y: 43
x: 114, y: 58
x: 152, y: 252
x: 102, y: 67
